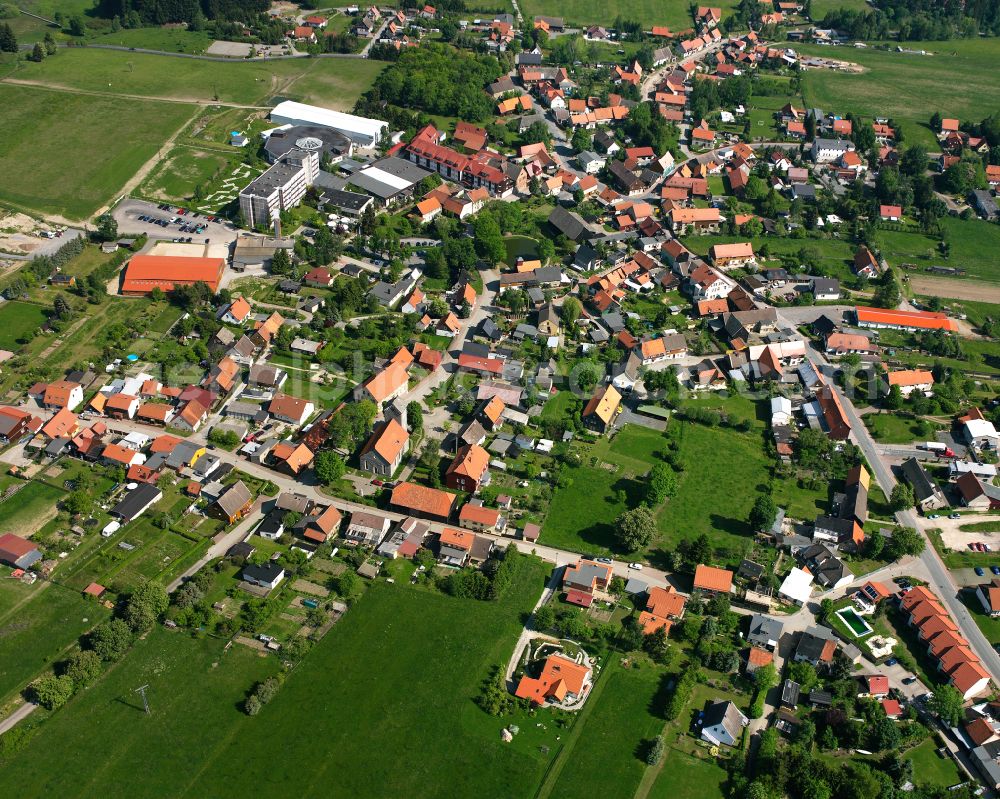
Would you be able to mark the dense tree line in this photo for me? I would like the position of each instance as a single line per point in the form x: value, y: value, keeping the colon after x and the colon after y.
x: 440, y: 80
x: 917, y: 20
x: 158, y: 12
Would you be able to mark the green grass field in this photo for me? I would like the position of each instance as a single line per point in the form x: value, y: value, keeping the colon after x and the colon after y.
x: 16, y: 319
x: 382, y: 706
x: 579, y: 13
x: 184, y: 168
x: 686, y: 777
x: 833, y: 255
x: 37, y: 623
x: 989, y: 625
x: 581, y: 515
x: 606, y: 758
x: 28, y: 509
x: 890, y: 428
x: 909, y: 88
x: 195, y: 694
x: 819, y: 8
x: 337, y: 81
x: 68, y: 154
x: 172, y: 40
x: 28, y: 29
x: 973, y: 244
x: 334, y: 82
x: 930, y: 768
x: 696, y: 509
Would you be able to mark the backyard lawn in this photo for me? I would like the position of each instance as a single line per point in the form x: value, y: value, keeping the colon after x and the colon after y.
x: 686, y: 777
x: 16, y: 319
x: 988, y: 624
x: 891, y: 428
x: 37, y: 623
x: 930, y: 768
x: 118, y: 136
x: 401, y: 668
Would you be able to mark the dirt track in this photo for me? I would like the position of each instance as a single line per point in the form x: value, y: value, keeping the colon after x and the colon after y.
x: 956, y: 288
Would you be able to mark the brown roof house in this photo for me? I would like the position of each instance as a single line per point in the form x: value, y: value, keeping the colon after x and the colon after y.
x: 384, y: 450
x: 469, y: 470
x: 600, y: 411
x: 367, y: 529
x: 234, y: 503
x: 423, y: 502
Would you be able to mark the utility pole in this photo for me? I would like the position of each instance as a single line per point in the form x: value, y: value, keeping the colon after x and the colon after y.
x: 145, y: 702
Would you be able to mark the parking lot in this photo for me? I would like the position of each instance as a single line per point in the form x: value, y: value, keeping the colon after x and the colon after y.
x: 157, y: 225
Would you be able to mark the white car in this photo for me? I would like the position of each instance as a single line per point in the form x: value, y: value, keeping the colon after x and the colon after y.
x: 636, y: 566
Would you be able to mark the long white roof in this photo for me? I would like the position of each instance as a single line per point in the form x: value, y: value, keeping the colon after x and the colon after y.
x: 314, y: 115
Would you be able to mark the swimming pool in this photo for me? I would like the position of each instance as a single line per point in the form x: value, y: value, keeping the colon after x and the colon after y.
x: 854, y: 622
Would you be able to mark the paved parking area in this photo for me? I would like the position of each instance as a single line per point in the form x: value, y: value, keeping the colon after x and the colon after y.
x: 128, y: 211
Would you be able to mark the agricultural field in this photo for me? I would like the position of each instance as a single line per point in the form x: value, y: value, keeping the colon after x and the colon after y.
x: 972, y: 242
x: 195, y: 692
x: 17, y: 319
x: 114, y: 136
x: 28, y: 509
x: 190, y: 80
x: 580, y: 13
x: 908, y: 88
x: 37, y: 623
x: 206, y: 742
x: 606, y: 755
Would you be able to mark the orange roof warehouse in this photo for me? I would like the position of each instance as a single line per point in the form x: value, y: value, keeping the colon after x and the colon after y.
x: 904, y: 320
x: 147, y: 272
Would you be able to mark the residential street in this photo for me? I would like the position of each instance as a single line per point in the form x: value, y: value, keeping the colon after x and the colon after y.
x: 940, y: 578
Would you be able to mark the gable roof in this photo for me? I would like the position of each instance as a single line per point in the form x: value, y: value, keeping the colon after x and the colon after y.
x: 470, y: 461
x: 422, y: 499
x: 711, y: 578
x: 388, y: 441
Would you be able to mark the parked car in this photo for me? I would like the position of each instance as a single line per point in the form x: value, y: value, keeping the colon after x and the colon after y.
x: 891, y: 662
x: 933, y: 516
x: 377, y: 482
x: 636, y: 566
x: 995, y: 569
x: 980, y: 572
x: 909, y: 680
x: 954, y: 515
x: 604, y: 560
